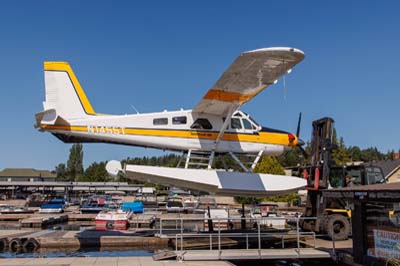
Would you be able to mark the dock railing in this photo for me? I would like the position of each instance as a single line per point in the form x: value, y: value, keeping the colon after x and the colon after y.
x: 253, y: 237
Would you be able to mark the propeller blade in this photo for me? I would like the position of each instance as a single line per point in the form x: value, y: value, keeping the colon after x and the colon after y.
x: 298, y: 126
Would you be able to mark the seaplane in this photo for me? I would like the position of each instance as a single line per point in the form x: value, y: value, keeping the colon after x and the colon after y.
x: 214, y: 127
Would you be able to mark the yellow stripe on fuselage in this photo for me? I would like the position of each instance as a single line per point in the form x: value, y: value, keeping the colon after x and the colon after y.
x: 261, y: 137
x: 64, y: 66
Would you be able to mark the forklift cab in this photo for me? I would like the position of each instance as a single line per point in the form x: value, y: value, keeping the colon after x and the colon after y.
x: 360, y: 175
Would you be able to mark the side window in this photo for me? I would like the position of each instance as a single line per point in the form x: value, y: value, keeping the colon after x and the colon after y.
x: 247, y: 124
x: 179, y: 120
x: 160, y: 121
x: 201, y: 123
x: 235, y: 123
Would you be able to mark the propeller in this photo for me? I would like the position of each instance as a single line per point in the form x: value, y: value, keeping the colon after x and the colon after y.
x: 298, y: 126
x: 300, y: 142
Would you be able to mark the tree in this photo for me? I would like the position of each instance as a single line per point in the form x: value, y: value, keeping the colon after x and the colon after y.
x: 96, y: 172
x: 61, y: 172
x: 390, y: 155
x: 75, y: 162
x: 340, y: 155
x: 371, y: 154
x: 334, y: 137
x: 267, y: 165
x: 355, y: 153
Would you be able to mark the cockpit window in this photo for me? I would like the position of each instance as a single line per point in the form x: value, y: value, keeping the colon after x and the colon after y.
x: 254, y: 122
x: 201, y: 123
x: 247, y: 124
x: 235, y: 123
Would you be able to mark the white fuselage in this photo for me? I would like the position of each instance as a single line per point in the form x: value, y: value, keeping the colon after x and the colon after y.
x: 174, y: 130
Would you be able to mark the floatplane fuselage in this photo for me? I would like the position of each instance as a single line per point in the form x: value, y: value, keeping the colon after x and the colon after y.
x: 176, y: 130
x: 215, y: 126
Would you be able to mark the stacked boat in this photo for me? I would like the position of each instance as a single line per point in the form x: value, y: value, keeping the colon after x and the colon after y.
x: 97, y: 204
x: 118, y: 219
x: 53, y: 206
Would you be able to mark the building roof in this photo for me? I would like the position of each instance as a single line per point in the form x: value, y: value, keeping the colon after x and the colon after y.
x: 388, y: 166
x: 26, y: 172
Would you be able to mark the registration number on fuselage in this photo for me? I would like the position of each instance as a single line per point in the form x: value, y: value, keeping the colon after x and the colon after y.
x: 106, y: 130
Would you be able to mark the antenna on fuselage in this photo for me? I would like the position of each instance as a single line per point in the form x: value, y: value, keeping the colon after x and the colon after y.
x: 133, y: 107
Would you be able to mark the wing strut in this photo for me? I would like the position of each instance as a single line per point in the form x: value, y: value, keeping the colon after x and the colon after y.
x: 256, y: 160
x: 232, y: 109
x: 188, y: 159
x: 239, y: 162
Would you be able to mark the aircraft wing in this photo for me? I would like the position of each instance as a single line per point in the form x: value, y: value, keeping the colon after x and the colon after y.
x: 248, y: 75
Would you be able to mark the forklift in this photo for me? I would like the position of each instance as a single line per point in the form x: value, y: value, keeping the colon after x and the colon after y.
x: 324, y: 215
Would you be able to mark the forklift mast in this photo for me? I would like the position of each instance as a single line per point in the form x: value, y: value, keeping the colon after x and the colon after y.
x: 321, y: 147
x: 317, y: 173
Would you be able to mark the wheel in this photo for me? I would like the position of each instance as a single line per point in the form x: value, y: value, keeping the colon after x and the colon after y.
x: 337, y: 227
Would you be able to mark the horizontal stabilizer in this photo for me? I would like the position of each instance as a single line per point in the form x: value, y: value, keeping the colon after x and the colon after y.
x: 217, y: 182
x: 49, y: 117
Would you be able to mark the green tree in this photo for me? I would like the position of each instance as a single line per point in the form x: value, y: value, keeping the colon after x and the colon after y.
x: 267, y: 165
x: 389, y: 155
x: 61, y: 172
x: 289, y: 158
x: 75, y: 162
x: 96, y: 172
x: 371, y: 154
x: 354, y: 153
x: 340, y: 155
x: 334, y: 137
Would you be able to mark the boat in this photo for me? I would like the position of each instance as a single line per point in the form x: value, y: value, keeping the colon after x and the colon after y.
x: 53, y: 206
x: 219, y: 217
x: 189, y: 205
x: 268, y: 216
x: 35, y: 200
x: 11, y: 209
x: 109, y: 220
x: 205, y: 202
x: 135, y: 207
x: 175, y: 205
x: 97, y: 204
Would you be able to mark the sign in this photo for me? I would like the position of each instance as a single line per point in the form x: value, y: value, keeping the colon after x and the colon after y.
x: 387, y: 244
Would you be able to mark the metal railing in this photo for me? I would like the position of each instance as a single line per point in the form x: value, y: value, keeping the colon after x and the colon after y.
x: 221, y: 224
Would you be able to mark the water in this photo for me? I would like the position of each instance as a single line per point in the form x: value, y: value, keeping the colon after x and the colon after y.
x: 56, y: 253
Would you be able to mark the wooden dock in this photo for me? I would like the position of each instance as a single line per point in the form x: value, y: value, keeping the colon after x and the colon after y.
x: 103, y: 261
x: 78, y: 217
x: 15, y: 217
x: 49, y: 239
x: 43, y: 221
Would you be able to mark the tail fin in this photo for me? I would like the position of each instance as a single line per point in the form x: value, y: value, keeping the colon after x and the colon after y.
x: 64, y: 93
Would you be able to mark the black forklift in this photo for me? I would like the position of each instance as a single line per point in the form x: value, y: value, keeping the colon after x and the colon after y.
x: 325, y: 215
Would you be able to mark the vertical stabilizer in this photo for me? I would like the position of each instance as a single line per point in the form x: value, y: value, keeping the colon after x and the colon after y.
x: 64, y: 93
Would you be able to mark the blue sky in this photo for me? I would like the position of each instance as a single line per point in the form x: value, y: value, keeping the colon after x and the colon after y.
x: 158, y: 55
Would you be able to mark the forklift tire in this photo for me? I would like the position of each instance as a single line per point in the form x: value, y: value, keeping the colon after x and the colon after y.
x: 337, y: 227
